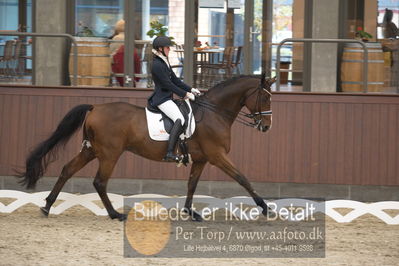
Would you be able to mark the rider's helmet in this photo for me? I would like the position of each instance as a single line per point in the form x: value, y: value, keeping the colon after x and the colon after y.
x: 161, y: 41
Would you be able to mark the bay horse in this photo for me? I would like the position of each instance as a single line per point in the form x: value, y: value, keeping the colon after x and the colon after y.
x: 113, y: 128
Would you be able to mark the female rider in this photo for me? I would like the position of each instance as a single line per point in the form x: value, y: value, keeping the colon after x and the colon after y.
x: 166, y: 83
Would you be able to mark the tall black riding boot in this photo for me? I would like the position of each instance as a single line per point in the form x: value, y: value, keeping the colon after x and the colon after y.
x: 174, y: 135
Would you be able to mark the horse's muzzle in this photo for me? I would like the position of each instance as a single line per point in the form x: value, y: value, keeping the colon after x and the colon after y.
x: 264, y: 128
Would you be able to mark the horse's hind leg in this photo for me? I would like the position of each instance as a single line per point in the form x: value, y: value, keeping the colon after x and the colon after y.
x: 100, y: 183
x: 195, y: 174
x: 223, y: 162
x: 77, y: 163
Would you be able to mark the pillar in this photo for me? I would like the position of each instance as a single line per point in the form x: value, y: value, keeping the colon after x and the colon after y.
x: 298, y: 23
x: 51, y: 54
x: 324, y: 56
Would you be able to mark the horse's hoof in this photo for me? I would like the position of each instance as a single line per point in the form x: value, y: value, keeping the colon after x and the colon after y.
x: 120, y: 216
x: 197, y: 217
x: 266, y: 210
x: 44, y: 211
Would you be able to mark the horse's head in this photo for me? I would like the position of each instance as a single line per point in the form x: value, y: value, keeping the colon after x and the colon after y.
x: 258, y: 102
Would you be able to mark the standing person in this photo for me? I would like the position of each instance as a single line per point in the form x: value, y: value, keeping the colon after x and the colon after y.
x: 166, y: 83
x: 390, y: 29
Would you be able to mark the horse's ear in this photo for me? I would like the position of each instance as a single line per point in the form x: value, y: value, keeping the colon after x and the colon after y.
x: 269, y: 82
x: 263, y: 79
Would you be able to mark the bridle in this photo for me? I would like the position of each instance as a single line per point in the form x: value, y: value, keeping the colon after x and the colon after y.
x: 257, y: 116
x: 241, y: 117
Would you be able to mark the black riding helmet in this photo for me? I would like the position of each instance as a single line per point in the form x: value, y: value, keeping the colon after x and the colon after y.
x: 161, y: 41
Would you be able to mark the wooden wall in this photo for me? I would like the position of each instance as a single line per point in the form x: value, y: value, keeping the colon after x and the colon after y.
x: 315, y: 138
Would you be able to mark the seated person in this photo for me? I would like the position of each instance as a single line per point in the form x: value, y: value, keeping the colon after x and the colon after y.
x: 118, y: 64
x: 118, y: 37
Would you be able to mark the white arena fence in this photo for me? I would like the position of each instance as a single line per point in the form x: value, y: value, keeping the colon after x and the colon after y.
x: 358, y: 209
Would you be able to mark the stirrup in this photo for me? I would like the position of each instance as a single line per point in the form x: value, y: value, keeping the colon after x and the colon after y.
x: 170, y: 157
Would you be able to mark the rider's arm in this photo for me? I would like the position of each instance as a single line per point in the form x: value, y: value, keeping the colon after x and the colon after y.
x: 180, y: 83
x: 161, y: 72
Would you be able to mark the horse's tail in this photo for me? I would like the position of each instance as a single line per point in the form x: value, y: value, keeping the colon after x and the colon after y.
x: 45, y: 152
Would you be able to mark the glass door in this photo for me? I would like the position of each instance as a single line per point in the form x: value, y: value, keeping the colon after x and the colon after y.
x: 96, y: 18
x: 16, y: 52
x: 257, y: 38
x: 274, y: 21
x: 218, y: 42
x: 145, y: 20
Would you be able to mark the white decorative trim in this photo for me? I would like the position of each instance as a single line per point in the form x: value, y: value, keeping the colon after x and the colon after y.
x: 86, y: 200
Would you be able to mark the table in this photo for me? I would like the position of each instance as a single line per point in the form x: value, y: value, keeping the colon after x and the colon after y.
x: 205, y: 55
x: 208, y: 56
x: 203, y: 58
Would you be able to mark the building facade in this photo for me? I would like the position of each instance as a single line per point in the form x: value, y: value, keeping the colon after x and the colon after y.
x: 252, y: 29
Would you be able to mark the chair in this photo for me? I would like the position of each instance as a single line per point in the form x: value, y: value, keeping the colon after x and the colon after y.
x: 23, y: 58
x: 228, y: 54
x: 237, y: 60
x: 180, y: 58
x: 214, y: 73
x: 147, y: 63
x: 15, y: 60
x: 7, y: 58
x: 2, y: 61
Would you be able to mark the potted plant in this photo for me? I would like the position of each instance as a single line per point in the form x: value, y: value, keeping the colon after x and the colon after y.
x: 158, y: 29
x: 361, y: 34
x: 85, y: 31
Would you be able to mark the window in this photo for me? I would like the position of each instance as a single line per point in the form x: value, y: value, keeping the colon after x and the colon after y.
x: 97, y: 17
x: 392, y: 5
x: 16, y: 64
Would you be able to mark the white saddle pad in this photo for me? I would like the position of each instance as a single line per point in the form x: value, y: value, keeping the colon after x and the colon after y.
x: 157, y: 130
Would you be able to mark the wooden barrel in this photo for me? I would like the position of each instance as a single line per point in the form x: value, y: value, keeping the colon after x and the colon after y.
x: 391, y: 48
x: 94, y: 61
x: 352, y: 67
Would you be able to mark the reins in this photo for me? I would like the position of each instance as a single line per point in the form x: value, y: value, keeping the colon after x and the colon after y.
x: 241, y: 116
x: 225, y: 113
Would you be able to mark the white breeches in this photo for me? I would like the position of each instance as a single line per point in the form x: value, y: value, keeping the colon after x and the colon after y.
x: 170, y: 109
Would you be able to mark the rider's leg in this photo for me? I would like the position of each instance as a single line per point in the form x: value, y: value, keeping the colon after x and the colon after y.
x: 174, y: 136
x: 172, y: 111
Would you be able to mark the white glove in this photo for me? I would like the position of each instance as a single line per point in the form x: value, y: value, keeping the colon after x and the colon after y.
x: 190, y: 96
x: 195, y: 91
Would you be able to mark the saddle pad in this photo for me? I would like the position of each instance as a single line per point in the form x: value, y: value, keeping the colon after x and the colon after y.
x: 157, y: 130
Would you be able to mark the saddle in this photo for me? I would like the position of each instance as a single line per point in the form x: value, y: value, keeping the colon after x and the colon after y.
x: 167, y: 122
x: 159, y: 126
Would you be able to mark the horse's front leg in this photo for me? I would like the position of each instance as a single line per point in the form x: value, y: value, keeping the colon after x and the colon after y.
x: 195, y: 173
x: 224, y: 163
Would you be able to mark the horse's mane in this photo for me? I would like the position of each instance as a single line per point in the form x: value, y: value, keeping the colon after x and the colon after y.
x: 228, y: 82
x: 219, y: 87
